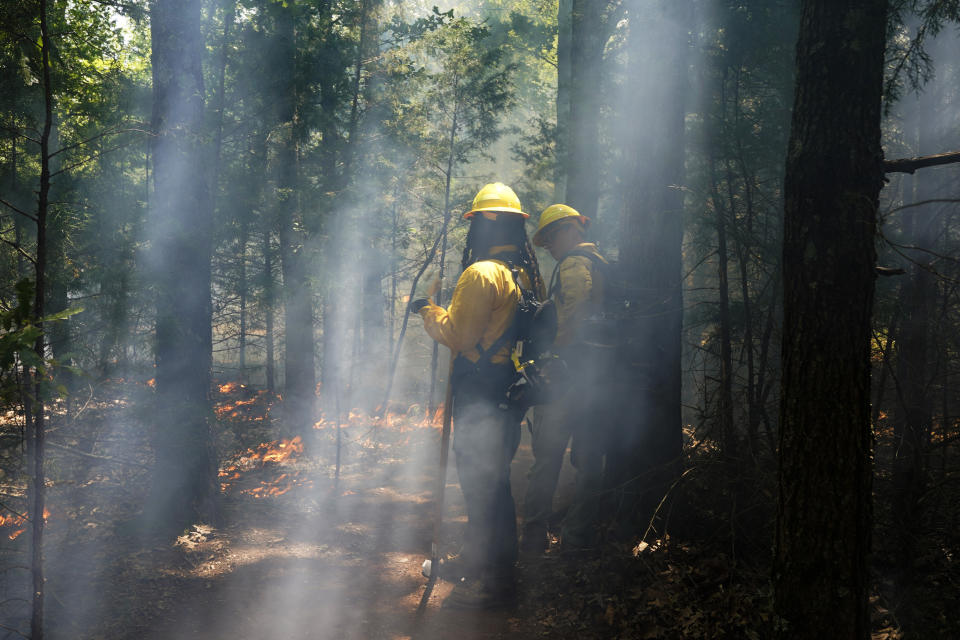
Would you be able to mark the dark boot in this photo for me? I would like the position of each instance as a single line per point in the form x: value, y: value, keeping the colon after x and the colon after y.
x: 458, y: 567
x: 534, y: 540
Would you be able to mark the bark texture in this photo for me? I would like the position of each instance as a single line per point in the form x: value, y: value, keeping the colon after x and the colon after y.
x: 833, y: 179
x: 184, y: 471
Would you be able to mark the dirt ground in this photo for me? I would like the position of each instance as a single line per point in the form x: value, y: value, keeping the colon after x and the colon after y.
x: 296, y: 554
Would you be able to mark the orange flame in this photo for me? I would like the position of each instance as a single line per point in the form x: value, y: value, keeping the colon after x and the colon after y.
x: 152, y: 382
x: 277, y: 452
x: 16, y: 520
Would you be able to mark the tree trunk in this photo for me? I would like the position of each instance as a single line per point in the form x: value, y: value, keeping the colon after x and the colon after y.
x: 184, y: 469
x: 38, y: 484
x: 582, y: 168
x: 443, y: 252
x: 913, y: 416
x: 299, y: 375
x: 242, y: 286
x: 564, y: 75
x: 833, y: 179
x: 651, y: 234
x: 269, y: 303
x: 725, y: 409
x: 58, y: 269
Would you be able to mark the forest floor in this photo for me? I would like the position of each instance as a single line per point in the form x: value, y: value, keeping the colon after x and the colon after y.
x: 297, y: 554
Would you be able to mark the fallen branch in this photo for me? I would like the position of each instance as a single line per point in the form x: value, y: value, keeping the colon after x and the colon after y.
x: 909, y: 165
x: 96, y: 457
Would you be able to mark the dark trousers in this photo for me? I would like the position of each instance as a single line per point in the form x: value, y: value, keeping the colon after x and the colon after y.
x: 485, y: 440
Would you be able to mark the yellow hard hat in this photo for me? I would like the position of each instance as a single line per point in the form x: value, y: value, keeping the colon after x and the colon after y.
x: 556, y: 213
x: 496, y: 197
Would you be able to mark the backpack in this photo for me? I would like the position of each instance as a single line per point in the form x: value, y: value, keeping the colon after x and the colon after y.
x: 613, y: 325
x: 532, y: 332
x: 530, y: 336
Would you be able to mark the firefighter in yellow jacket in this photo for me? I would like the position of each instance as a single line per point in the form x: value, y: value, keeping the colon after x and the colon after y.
x: 576, y: 288
x: 477, y: 327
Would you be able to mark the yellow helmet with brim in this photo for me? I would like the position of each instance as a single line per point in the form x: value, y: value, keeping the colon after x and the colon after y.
x: 496, y: 197
x: 554, y: 214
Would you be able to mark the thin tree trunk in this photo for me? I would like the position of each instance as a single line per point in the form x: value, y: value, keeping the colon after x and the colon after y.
x: 382, y: 408
x: 299, y: 374
x: 763, y: 387
x: 914, y: 411
x: 229, y: 11
x: 443, y: 251
x: 394, y: 231
x: 892, y: 330
x: 350, y: 150
x: 269, y: 302
x: 742, y: 242
x: 564, y: 76
x: 39, y: 427
x: 242, y: 286
x: 727, y: 436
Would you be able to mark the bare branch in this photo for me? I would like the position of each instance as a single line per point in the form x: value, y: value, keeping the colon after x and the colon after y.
x: 20, y: 133
x: 99, y: 154
x: 102, y: 134
x: 16, y: 210
x: 18, y: 249
x: 909, y: 165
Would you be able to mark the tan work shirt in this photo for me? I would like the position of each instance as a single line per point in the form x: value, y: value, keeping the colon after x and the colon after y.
x: 577, y: 292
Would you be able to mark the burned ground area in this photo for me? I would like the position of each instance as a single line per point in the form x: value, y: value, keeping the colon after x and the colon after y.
x: 300, y: 553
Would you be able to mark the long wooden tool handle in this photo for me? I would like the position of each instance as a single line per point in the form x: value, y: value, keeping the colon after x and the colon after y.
x: 441, y: 489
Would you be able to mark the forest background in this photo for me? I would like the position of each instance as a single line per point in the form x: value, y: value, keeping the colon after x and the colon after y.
x: 211, y: 207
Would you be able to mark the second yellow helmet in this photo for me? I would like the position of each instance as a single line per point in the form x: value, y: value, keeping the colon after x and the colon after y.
x: 556, y: 213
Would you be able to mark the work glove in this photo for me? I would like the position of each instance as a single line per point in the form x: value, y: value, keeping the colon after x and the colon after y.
x: 426, y: 297
x: 430, y: 290
x: 418, y: 304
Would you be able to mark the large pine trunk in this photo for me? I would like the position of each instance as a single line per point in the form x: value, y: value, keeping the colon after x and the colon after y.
x: 833, y: 179
x: 184, y: 470
x: 651, y: 233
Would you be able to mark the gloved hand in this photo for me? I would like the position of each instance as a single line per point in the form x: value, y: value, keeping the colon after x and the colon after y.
x: 418, y: 304
x: 430, y: 290
x: 425, y: 296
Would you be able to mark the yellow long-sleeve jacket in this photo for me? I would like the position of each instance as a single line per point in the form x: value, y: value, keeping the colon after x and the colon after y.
x: 481, y: 309
x: 577, y: 289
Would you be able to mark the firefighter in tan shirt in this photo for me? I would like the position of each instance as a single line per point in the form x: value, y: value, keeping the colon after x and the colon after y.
x: 577, y: 290
x: 478, y: 328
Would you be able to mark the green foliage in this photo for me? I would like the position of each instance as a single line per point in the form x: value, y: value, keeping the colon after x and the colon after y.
x: 911, y: 25
x: 18, y: 340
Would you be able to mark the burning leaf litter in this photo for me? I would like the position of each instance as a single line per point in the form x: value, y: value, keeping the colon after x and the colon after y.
x: 16, y: 521
x: 278, y: 452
